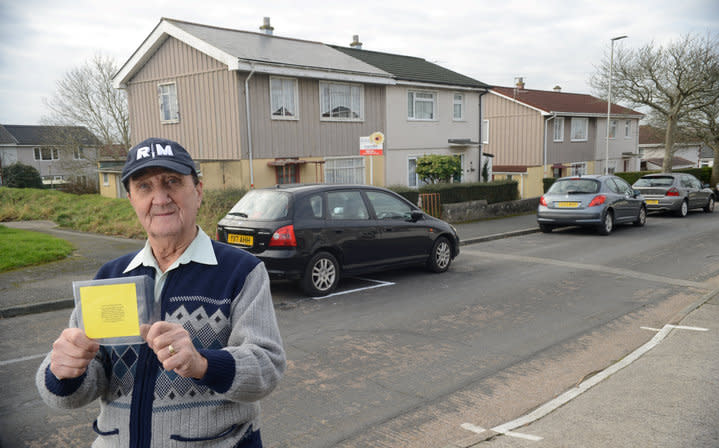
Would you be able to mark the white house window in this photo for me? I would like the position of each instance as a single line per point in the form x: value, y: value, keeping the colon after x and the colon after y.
x: 46, y: 154
x: 105, y: 179
x: 627, y: 129
x: 613, y: 128
x: 78, y: 153
x: 341, y: 101
x: 559, y: 129
x: 458, y: 107
x: 579, y: 169
x: 283, y: 98
x: 344, y: 170
x: 485, y: 132
x: 413, y: 179
x: 169, y: 110
x: 580, y: 129
x: 420, y: 105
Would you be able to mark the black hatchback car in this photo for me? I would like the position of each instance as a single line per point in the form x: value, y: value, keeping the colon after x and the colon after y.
x: 318, y: 233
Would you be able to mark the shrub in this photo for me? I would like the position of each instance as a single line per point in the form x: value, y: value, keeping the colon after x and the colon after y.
x: 19, y: 175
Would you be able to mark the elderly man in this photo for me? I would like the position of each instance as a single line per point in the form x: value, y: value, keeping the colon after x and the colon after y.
x: 216, y: 351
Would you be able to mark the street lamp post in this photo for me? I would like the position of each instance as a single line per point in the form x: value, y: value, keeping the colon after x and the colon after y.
x: 609, y: 102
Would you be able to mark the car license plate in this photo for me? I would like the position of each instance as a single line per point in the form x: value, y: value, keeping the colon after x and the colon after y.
x: 242, y: 240
x: 652, y: 201
x: 566, y: 204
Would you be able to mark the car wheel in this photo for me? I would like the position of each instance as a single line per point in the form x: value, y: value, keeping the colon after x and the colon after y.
x: 641, y: 217
x: 683, y: 209
x: 321, y: 274
x: 607, y: 223
x: 709, y: 208
x: 546, y: 228
x: 441, y: 256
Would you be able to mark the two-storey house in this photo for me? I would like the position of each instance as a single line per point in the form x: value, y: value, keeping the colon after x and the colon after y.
x: 255, y: 109
x: 61, y: 154
x: 536, y: 133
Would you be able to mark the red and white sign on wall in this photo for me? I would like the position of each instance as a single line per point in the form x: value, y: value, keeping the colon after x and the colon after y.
x: 372, y: 145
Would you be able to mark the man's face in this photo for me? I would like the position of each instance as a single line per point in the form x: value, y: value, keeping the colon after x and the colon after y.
x: 166, y: 203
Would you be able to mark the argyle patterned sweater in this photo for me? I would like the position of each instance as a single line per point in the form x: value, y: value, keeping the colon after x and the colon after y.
x: 228, y: 311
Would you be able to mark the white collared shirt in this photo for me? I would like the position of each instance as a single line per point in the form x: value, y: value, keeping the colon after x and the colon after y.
x: 200, y: 251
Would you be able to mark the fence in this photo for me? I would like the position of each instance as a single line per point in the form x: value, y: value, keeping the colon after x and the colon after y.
x: 429, y: 202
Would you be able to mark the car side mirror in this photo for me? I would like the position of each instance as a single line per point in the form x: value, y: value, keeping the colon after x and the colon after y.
x: 416, y: 215
x: 706, y: 186
x: 636, y: 193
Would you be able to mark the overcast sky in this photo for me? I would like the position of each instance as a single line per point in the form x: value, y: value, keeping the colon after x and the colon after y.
x: 548, y: 43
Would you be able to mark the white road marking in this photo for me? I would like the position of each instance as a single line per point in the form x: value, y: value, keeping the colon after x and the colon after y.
x: 349, y: 291
x: 474, y: 428
x: 677, y: 327
x: 24, y: 358
x: 522, y: 436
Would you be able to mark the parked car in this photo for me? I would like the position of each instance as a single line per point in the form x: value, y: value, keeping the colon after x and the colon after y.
x: 675, y: 192
x: 318, y: 233
x: 593, y: 200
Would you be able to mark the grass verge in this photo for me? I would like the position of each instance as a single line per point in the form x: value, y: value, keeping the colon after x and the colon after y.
x: 19, y: 248
x: 98, y: 214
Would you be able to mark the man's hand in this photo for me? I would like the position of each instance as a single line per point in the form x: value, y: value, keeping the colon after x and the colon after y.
x: 184, y: 359
x: 72, y: 353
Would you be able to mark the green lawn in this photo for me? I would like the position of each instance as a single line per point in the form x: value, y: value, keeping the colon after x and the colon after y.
x: 20, y: 248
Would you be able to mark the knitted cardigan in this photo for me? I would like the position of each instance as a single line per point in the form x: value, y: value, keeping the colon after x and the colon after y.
x: 227, y: 309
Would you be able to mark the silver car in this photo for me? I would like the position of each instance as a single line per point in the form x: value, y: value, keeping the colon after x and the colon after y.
x: 675, y: 192
x: 596, y: 201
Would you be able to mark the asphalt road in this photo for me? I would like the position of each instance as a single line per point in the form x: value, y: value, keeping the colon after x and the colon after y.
x: 406, y: 363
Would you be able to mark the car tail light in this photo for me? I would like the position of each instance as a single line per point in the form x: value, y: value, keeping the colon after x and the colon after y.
x: 284, y: 237
x: 673, y: 192
x: 598, y: 200
x: 543, y: 201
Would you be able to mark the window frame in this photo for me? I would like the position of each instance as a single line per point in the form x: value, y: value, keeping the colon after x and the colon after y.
x: 351, y: 86
x: 627, y: 129
x: 613, y: 125
x: 38, y: 153
x: 172, y: 100
x: 485, y: 132
x: 558, y: 122
x: 412, y: 114
x: 352, y: 178
x: 294, y: 95
x: 585, y: 129
x: 457, y: 102
x: 78, y: 153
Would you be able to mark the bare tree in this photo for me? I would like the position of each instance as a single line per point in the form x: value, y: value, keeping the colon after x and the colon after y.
x: 86, y: 97
x: 704, y: 125
x: 674, y: 81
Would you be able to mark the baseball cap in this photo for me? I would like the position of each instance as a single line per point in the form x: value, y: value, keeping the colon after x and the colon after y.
x: 158, y: 152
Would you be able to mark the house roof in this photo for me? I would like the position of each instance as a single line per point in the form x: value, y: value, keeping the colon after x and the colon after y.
x: 563, y: 103
x: 246, y: 51
x: 412, y: 69
x: 650, y: 135
x: 24, y: 135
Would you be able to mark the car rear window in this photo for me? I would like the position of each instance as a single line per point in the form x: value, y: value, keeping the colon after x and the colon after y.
x: 574, y: 186
x: 656, y: 181
x: 262, y: 205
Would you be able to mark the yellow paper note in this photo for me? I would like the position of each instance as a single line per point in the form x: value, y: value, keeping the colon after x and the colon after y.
x: 110, y: 311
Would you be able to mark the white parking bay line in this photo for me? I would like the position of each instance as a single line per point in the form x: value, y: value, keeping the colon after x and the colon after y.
x: 24, y: 358
x: 523, y: 436
x: 379, y: 284
x: 677, y: 327
x: 474, y: 428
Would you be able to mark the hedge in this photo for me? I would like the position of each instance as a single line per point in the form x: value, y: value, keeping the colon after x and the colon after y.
x: 492, y: 192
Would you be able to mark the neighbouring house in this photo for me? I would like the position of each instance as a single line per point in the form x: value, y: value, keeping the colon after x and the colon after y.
x: 537, y: 133
x: 61, y: 154
x: 255, y: 109
x: 430, y: 110
x: 111, y: 160
x: 687, y: 153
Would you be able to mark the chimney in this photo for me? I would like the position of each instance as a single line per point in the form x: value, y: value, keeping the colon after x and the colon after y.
x: 520, y: 82
x: 557, y: 89
x: 266, y: 27
x: 356, y: 44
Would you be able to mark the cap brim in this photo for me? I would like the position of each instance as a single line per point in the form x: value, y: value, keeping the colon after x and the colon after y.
x: 162, y: 163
